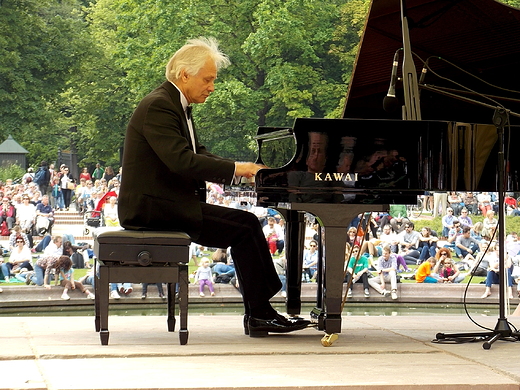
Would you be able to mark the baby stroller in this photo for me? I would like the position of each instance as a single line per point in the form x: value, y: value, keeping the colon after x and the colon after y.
x: 92, y: 220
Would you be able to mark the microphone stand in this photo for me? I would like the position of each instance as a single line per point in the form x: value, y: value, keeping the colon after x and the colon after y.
x: 502, y: 329
x: 411, y: 108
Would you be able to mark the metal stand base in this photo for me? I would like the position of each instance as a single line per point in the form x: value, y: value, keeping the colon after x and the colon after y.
x: 502, y: 332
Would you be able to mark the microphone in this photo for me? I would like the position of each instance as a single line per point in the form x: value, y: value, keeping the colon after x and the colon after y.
x: 424, y: 71
x: 390, y: 102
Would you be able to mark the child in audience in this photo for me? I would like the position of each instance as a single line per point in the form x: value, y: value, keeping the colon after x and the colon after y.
x: 205, y: 278
x: 67, y: 279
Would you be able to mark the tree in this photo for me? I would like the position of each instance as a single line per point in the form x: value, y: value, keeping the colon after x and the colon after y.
x: 38, y: 52
x: 279, y: 49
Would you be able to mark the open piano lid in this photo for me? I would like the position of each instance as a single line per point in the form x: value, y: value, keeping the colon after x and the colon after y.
x: 480, y: 36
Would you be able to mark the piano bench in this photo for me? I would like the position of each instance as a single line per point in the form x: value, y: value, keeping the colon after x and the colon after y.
x: 134, y: 256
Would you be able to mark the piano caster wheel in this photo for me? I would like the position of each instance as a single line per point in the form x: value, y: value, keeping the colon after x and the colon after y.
x: 329, y: 339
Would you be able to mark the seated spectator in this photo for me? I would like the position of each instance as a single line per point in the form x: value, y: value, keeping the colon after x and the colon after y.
x: 484, y: 202
x: 512, y: 244
x: 443, y: 254
x: 280, y: 264
x: 464, y: 218
x: 44, y: 217
x: 399, y: 223
x: 455, y: 202
x: 7, y: 213
x: 447, y: 222
x: 490, y: 224
x: 449, y: 272
x: 425, y: 274
x: 409, y: 242
x: 465, y: 244
x: 387, y: 270
x: 15, y: 233
x: 221, y: 265
x: 511, y: 205
x: 310, y: 261
x: 470, y: 203
x: 493, y: 277
x: 357, y: 271
x: 78, y: 254
x: 453, y: 234
x: 427, y: 244
x: 353, y: 238
x: 124, y: 288
x: 274, y: 235
x: 67, y: 281
x: 476, y: 231
x: 20, y: 259
x: 479, y: 264
x: 110, y: 212
x: 26, y: 215
x: 160, y: 290
x: 389, y: 238
x: 515, y: 272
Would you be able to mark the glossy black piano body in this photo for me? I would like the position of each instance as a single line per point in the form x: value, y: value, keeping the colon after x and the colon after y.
x: 371, y: 161
x: 343, y: 167
x: 370, y: 158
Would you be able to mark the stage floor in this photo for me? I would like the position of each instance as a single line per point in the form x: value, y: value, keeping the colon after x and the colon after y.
x: 371, y: 352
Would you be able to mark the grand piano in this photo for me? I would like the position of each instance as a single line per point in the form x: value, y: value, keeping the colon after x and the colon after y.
x: 371, y: 158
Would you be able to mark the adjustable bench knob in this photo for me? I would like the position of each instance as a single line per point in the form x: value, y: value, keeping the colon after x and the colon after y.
x: 144, y: 258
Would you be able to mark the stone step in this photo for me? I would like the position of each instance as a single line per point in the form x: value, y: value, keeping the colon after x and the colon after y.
x: 409, y: 293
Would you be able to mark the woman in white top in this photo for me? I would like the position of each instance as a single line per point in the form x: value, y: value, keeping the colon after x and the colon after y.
x: 26, y: 214
x: 20, y: 258
x: 110, y: 211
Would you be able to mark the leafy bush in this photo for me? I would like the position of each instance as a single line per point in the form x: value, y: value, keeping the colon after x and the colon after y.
x: 11, y: 172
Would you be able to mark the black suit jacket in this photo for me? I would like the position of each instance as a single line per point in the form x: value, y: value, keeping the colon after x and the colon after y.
x: 162, y: 174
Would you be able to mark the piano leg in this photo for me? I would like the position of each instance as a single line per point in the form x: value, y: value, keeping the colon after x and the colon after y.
x: 332, y: 287
x: 334, y: 220
x: 294, y: 241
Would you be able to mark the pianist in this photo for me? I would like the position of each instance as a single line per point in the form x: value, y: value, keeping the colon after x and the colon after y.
x: 165, y: 169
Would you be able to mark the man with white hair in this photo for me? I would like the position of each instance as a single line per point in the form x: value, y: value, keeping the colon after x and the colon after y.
x: 164, y: 188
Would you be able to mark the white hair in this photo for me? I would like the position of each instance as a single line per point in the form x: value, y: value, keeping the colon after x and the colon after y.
x: 193, y: 56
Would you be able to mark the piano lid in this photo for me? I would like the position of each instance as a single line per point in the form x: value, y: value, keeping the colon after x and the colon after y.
x: 480, y: 36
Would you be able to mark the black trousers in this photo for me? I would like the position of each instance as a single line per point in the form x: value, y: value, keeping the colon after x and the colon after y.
x: 363, y: 279
x: 224, y: 227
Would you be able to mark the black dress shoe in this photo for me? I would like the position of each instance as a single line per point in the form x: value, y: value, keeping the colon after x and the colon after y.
x: 298, y: 320
x: 259, y: 327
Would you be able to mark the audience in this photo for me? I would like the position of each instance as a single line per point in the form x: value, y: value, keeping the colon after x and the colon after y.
x: 395, y: 244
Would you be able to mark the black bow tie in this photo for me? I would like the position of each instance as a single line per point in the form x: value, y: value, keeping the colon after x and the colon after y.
x: 188, y: 112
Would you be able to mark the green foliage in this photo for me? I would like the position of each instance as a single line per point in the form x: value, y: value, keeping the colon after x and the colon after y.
x: 72, y: 71
x: 11, y: 172
x: 38, y: 52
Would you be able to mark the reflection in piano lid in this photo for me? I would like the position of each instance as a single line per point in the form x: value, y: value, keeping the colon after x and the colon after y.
x: 367, y: 161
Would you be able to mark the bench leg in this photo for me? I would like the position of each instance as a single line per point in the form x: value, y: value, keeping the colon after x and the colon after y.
x: 170, y: 292
x: 183, y: 303
x: 96, y: 301
x: 102, y: 296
